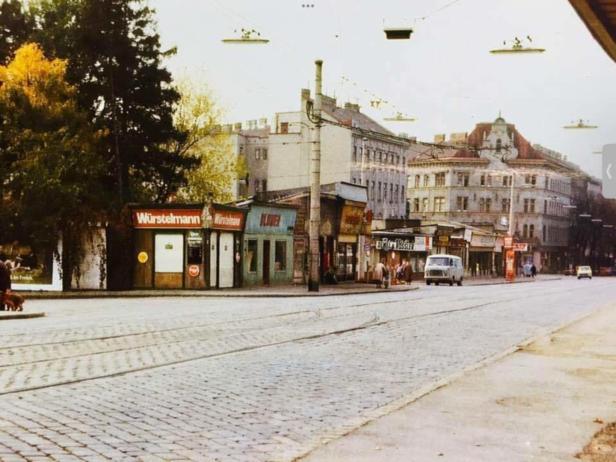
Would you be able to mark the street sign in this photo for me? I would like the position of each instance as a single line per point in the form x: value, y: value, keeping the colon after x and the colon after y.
x: 520, y: 247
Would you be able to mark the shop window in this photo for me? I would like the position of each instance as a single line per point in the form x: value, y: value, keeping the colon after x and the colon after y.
x: 280, y: 256
x: 251, y: 255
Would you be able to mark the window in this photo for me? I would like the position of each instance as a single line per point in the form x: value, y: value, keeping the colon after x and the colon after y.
x: 258, y: 153
x: 489, y: 180
x: 416, y: 204
x: 426, y: 181
x: 391, y: 192
x: 525, y: 231
x: 284, y: 127
x: 499, y: 145
x: 354, y: 153
x: 251, y: 255
x: 531, y: 231
x: 397, y: 196
x: 488, y: 204
x: 527, y: 179
x: 402, y: 196
x: 372, y: 193
x: 379, y: 192
x: 439, y: 204
x: 424, y: 204
x: 417, y: 180
x: 505, y: 204
x: 385, y: 192
x: 526, y: 205
x: 507, y: 180
x: 439, y: 179
x: 264, y: 153
x: 533, y: 180
x: 280, y: 256
x: 462, y: 203
x: 482, y: 181
x: 380, y: 157
x: 545, y: 206
x: 532, y: 206
x: 463, y: 179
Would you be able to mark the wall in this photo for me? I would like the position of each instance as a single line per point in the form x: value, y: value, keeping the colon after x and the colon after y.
x: 92, y: 272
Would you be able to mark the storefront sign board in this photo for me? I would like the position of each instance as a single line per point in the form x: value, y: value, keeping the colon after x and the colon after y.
x: 167, y: 218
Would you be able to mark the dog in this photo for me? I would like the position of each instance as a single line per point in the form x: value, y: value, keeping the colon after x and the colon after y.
x: 13, y: 301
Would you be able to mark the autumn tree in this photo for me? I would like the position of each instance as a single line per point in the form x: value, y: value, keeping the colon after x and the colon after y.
x: 217, y: 166
x: 50, y: 170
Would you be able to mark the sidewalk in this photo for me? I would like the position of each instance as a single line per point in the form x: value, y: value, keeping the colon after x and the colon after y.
x: 344, y: 288
x: 543, y: 403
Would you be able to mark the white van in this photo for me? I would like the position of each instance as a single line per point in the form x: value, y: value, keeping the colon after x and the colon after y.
x: 444, y: 268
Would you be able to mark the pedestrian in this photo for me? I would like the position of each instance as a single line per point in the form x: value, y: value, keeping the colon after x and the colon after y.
x: 533, y: 270
x: 5, y: 283
x: 408, y: 273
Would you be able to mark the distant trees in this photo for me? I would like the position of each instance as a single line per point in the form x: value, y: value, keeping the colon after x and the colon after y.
x: 217, y: 167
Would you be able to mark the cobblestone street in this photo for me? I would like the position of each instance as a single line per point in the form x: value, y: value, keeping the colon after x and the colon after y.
x: 248, y: 379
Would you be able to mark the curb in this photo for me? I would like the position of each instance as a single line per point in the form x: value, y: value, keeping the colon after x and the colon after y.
x: 400, y: 403
x: 203, y: 294
x: 496, y: 283
x: 36, y: 314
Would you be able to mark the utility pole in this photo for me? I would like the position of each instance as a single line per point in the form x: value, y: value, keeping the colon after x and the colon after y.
x: 315, y: 184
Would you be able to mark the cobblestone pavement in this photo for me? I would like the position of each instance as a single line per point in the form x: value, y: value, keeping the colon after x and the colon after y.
x: 247, y: 380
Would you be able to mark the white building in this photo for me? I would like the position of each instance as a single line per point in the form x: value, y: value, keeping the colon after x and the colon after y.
x: 354, y: 149
x: 472, y: 185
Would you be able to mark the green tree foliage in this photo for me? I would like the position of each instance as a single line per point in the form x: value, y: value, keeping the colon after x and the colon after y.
x: 217, y: 166
x: 49, y: 166
x: 116, y: 64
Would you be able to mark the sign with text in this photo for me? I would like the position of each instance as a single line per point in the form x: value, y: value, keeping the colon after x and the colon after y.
x: 520, y: 247
x: 351, y: 220
x: 400, y: 244
x: 167, y: 218
x: 422, y: 243
x: 231, y: 220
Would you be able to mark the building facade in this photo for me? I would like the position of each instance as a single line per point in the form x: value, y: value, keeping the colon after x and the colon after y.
x: 494, y: 169
x: 354, y: 149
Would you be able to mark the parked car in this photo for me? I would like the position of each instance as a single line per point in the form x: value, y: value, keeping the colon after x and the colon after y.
x: 584, y: 272
x: 444, y: 268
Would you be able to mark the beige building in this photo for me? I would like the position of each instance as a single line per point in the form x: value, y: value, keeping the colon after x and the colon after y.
x: 354, y: 149
x: 473, y: 185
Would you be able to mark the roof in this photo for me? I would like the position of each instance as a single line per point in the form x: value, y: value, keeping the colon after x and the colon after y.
x: 600, y: 18
x: 351, y: 116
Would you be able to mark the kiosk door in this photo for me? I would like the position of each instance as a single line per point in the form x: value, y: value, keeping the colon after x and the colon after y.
x: 226, y: 263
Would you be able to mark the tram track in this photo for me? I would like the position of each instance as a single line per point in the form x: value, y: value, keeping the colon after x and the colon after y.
x: 360, y: 325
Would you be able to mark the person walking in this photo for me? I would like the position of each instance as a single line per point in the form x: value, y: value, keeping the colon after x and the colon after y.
x: 408, y: 273
x: 533, y: 270
x: 5, y: 283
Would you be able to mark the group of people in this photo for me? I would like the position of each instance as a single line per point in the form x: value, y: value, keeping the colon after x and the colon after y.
x: 385, y: 274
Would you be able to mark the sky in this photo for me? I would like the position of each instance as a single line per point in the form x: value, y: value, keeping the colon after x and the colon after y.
x: 444, y: 75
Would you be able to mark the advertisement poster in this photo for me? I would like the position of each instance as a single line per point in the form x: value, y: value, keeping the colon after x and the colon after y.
x: 27, y: 265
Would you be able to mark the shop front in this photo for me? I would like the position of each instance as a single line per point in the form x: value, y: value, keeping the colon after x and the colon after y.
x: 481, y: 255
x: 347, y: 250
x: 268, y: 245
x: 187, y: 247
x: 397, y: 246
